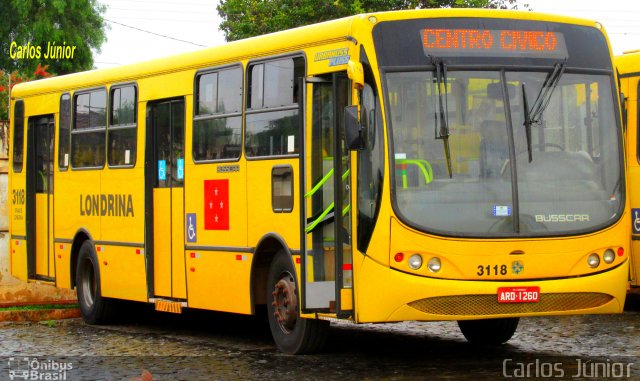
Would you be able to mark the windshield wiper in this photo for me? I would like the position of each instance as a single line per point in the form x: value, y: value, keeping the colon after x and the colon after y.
x: 527, y: 121
x: 443, y: 132
x: 534, y: 116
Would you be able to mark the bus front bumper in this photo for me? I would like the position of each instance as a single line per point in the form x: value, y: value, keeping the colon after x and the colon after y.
x: 388, y: 295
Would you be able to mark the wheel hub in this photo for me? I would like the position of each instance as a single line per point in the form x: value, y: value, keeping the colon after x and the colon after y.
x: 285, y: 303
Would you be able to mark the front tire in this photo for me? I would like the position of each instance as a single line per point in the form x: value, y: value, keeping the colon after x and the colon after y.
x: 489, y: 332
x: 291, y: 333
x: 94, y: 308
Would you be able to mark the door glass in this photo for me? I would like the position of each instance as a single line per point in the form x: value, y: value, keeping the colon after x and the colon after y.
x: 328, y: 225
x: 162, y: 131
x: 177, y: 144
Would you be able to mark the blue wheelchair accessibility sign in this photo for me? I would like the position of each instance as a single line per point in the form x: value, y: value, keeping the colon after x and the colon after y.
x: 635, y: 214
x: 191, y: 227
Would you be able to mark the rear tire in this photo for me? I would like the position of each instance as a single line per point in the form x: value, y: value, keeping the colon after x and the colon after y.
x: 489, y: 332
x: 291, y: 333
x: 94, y: 308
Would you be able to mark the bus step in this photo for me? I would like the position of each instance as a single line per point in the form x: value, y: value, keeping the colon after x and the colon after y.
x: 169, y: 306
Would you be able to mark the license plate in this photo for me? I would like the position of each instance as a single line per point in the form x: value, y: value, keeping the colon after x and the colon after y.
x: 518, y: 294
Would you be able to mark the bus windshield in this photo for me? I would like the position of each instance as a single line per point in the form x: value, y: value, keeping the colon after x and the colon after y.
x: 564, y: 178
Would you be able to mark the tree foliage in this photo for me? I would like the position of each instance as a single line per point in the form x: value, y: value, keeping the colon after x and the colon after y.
x: 39, y: 22
x: 248, y: 18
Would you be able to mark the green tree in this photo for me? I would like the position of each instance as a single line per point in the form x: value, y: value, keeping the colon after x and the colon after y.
x: 248, y: 18
x: 77, y: 23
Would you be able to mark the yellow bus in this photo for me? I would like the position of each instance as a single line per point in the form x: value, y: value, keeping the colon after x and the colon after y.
x: 425, y: 165
x: 628, y: 66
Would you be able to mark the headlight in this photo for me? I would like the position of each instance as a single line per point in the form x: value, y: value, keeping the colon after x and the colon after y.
x: 609, y: 256
x: 415, y: 261
x: 593, y: 261
x: 434, y: 265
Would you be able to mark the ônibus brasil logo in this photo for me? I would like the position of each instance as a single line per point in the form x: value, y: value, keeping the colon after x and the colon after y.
x: 31, y: 368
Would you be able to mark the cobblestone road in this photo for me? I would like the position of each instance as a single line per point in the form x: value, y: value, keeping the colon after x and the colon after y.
x: 213, y: 346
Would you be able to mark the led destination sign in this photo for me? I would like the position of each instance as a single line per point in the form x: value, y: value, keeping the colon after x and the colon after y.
x: 492, y: 42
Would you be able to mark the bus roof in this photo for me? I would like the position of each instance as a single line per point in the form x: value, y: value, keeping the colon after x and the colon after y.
x: 266, y: 45
x: 629, y: 62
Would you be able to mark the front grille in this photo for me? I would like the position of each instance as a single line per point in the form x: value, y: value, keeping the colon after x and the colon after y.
x: 462, y: 305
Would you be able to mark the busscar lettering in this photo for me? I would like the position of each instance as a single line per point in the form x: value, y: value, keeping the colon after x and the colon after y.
x: 562, y: 218
x: 109, y: 205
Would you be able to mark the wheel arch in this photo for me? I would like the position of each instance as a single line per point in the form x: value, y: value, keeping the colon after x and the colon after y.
x: 263, y: 255
x: 81, y: 236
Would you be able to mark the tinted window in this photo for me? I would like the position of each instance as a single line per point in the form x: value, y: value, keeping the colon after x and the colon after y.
x: 273, y: 84
x: 88, y: 134
x: 122, y: 127
x: 65, y: 130
x: 217, y: 128
x: 18, y: 136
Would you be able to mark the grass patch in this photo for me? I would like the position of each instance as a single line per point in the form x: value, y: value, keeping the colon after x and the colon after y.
x: 38, y: 307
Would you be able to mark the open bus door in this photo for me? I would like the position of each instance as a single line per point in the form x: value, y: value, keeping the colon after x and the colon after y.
x: 39, y: 203
x: 326, y: 206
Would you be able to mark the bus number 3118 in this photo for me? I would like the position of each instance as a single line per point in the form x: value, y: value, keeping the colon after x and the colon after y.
x: 489, y: 270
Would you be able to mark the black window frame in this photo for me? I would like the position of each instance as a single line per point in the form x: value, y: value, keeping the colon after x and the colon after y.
x: 122, y: 126
x: 17, y: 136
x: 282, y: 203
x: 69, y: 124
x: 294, y: 106
x: 90, y: 129
x: 216, y: 115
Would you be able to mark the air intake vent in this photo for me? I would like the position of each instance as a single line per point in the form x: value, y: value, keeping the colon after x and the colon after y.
x: 463, y: 305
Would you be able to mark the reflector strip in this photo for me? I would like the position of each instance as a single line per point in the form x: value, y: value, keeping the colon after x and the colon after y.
x: 167, y: 306
x: 347, y: 266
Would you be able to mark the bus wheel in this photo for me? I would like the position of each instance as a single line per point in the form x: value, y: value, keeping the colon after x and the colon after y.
x: 94, y: 308
x: 291, y: 333
x: 489, y: 331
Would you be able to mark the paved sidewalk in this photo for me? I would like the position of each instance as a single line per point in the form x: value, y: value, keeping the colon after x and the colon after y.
x: 14, y: 291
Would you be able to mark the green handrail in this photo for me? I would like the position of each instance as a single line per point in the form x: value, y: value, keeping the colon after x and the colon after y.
x: 424, y: 167
x: 319, y: 184
x: 319, y: 219
x: 328, y: 210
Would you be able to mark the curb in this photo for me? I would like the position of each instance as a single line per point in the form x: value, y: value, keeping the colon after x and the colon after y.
x: 34, y: 316
x: 40, y: 303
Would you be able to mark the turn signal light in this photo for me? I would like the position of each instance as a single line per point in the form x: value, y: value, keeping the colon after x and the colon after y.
x: 399, y: 257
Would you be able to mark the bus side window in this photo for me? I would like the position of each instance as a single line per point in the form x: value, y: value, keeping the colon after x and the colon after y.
x: 217, y: 125
x: 122, y: 127
x: 370, y: 170
x: 65, y: 131
x: 18, y: 136
x: 272, y: 121
x: 89, y: 128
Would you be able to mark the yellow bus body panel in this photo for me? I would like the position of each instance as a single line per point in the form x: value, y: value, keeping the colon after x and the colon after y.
x: 260, y: 207
x: 18, y: 252
x: 628, y: 66
x: 178, y: 276
x: 63, y: 264
x: 219, y: 280
x: 120, y: 269
x: 162, y: 241
x: 42, y: 239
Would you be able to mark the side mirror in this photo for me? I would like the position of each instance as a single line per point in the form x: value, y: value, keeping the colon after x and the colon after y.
x: 354, y: 132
